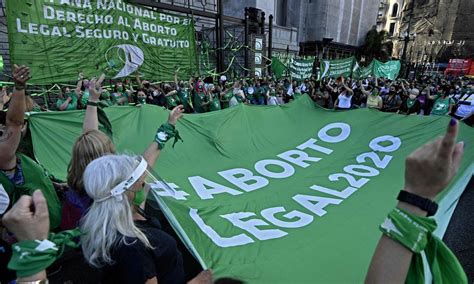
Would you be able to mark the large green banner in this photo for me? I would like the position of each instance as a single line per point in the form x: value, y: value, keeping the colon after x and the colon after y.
x: 300, y: 203
x: 336, y: 68
x: 301, y: 69
x: 389, y: 69
x: 60, y: 38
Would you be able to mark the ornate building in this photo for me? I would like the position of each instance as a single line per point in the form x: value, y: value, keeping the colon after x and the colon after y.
x: 440, y: 30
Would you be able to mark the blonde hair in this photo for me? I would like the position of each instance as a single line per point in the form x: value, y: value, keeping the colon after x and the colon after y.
x: 108, y: 222
x: 88, y: 147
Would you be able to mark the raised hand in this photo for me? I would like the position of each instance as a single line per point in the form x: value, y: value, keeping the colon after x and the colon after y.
x: 95, y: 90
x: 28, y: 219
x: 176, y: 114
x: 431, y: 167
x: 21, y: 74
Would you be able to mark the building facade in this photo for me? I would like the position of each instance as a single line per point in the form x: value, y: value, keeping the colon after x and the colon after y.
x: 302, y: 25
x: 439, y: 29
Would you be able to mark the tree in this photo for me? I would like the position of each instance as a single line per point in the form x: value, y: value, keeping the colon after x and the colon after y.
x: 377, y: 45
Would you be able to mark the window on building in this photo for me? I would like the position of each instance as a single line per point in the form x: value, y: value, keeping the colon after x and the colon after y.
x: 391, y: 30
x: 395, y: 10
x: 282, y: 6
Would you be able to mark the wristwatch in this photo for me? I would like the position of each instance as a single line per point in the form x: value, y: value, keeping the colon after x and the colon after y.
x: 424, y: 204
x: 91, y: 103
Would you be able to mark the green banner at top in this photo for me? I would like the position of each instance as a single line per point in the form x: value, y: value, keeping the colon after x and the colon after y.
x: 60, y: 38
x: 301, y: 69
x: 298, y: 205
x: 389, y: 69
x: 336, y: 68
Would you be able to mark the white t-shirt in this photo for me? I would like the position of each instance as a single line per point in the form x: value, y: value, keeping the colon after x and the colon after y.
x: 344, y: 101
x: 4, y: 200
x: 233, y: 102
x: 272, y: 101
x: 465, y: 110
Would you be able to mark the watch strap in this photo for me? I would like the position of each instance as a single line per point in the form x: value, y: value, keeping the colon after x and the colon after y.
x: 424, y: 204
x: 90, y: 103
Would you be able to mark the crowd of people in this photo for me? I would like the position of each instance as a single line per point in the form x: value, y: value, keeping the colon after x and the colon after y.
x: 425, y: 95
x: 103, y: 204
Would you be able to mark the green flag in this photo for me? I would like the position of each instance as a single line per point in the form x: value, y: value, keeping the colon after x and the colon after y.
x: 336, y: 68
x: 278, y: 68
x: 58, y: 39
x: 297, y: 204
x: 389, y: 69
x: 301, y: 68
x: 363, y: 72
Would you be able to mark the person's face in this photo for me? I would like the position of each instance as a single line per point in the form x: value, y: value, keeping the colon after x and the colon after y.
x: 392, y: 90
x: 141, y: 95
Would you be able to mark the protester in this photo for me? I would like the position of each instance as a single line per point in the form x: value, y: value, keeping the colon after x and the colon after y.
x: 391, y: 101
x: 344, y: 100
x: 91, y: 145
x: 443, y: 105
x: 117, y: 238
x: 374, y: 100
x: 67, y: 100
x: 19, y: 174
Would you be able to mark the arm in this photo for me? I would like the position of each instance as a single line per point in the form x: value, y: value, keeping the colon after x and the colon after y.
x: 174, y: 92
x: 91, y: 120
x: 347, y: 88
x: 139, y: 82
x: 3, y: 97
x: 152, y: 153
x: 423, y: 177
x: 79, y: 84
x: 64, y: 105
x: 364, y: 91
x: 176, y: 77
x: 380, y: 104
x: 15, y: 118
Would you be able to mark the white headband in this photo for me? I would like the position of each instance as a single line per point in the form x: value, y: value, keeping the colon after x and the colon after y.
x: 118, y: 190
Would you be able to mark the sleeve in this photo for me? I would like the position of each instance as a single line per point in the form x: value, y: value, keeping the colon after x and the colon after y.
x: 135, y: 263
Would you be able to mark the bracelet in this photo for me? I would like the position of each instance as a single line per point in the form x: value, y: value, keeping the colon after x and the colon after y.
x: 424, y: 204
x: 91, y: 103
x: 19, y: 87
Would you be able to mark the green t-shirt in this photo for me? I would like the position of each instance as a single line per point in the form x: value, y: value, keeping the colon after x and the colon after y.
x: 185, y: 99
x: 441, y: 106
x: 84, y: 99
x: 172, y: 101
x: 199, y: 99
x: 215, y: 103
x: 117, y: 96
x: 72, y: 104
x: 226, y: 99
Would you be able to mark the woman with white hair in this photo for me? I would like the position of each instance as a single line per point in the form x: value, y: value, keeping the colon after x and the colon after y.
x: 117, y: 237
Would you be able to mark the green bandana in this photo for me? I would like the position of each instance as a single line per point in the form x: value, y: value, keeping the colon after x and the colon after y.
x: 139, y: 197
x: 165, y: 133
x: 142, y: 101
x: 31, y: 257
x: 416, y: 234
